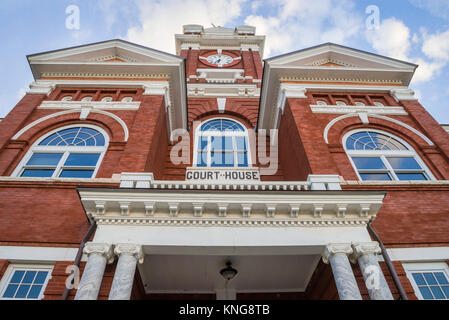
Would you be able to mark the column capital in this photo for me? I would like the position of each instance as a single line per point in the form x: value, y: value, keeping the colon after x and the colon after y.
x: 130, y: 249
x: 364, y: 248
x: 103, y: 249
x: 336, y: 248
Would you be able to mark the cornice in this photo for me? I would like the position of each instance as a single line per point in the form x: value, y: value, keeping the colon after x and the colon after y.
x: 114, y: 105
x: 334, y: 109
x: 231, y: 208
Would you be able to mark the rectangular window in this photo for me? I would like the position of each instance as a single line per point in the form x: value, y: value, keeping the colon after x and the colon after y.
x: 25, y: 282
x: 430, y: 280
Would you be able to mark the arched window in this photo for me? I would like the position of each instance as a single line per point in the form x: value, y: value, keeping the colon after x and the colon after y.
x: 70, y: 152
x: 378, y: 155
x: 222, y: 142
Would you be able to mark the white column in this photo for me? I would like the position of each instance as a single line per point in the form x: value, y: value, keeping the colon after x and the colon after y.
x: 99, y: 254
x: 365, y: 255
x: 129, y: 255
x: 337, y: 256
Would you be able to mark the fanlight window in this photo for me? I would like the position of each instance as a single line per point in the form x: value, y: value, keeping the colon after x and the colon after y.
x: 73, y: 152
x: 222, y: 143
x: 380, y: 156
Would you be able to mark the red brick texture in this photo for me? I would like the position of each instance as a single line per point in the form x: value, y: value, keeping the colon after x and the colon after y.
x: 137, y: 151
x: 42, y: 213
x: 310, y: 131
x: 3, y: 266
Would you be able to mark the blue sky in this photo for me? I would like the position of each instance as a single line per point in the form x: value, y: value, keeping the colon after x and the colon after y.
x: 412, y: 30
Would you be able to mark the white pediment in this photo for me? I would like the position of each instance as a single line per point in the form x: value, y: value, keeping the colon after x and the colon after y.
x: 113, y: 51
x: 331, y: 55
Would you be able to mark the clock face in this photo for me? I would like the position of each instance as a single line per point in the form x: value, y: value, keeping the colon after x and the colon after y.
x: 220, y: 59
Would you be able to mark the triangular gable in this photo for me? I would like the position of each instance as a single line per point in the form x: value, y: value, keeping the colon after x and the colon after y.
x: 333, y: 55
x: 107, y: 51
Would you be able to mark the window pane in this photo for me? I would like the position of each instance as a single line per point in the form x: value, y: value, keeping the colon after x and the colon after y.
x: 441, y: 278
x: 242, y: 159
x: 404, y: 163
x: 29, y: 277
x: 437, y: 293
x: 419, y: 279
x: 37, y: 173
x: 217, y: 143
x: 222, y: 159
x: 411, y: 176
x: 17, y: 277
x: 368, y: 163
x: 76, y: 173
x: 202, y: 159
x: 34, y: 292
x: 40, y: 278
x: 240, y: 143
x: 203, y: 143
x: 426, y: 293
x: 44, y: 159
x: 23, y: 291
x: 446, y: 291
x: 82, y: 159
x: 375, y: 176
x: 430, y: 278
x: 10, y: 291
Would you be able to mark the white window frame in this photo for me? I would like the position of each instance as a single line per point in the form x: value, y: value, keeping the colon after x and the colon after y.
x: 65, y: 150
x: 410, y: 153
x: 12, y: 268
x: 424, y: 267
x: 232, y: 134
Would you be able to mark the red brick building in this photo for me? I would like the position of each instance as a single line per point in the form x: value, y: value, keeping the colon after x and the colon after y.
x: 316, y: 175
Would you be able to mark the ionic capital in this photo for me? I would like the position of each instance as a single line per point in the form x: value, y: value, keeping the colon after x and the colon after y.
x: 336, y: 248
x: 364, y: 248
x: 102, y: 249
x: 130, y: 249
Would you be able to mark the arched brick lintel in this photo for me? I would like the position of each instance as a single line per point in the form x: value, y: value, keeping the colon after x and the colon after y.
x: 339, y: 128
x: 116, y: 130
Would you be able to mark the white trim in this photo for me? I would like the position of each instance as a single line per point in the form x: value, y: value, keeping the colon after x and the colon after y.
x: 222, y: 90
x: 10, y: 272
x: 349, y: 115
x: 218, y: 240
x: 421, y: 254
x: 37, y: 254
x: 391, y: 110
x: 424, y: 267
x: 112, y: 105
x: 57, y: 114
x: 66, y: 150
x: 267, y: 208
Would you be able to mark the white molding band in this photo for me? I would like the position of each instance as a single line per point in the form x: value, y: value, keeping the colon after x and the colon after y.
x: 391, y: 110
x: 202, y: 208
x: 416, y: 254
x: 82, y: 115
x: 98, y: 105
x: 400, y: 123
x: 37, y: 254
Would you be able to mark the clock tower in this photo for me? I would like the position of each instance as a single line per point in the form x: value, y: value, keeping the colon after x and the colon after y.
x: 221, y: 62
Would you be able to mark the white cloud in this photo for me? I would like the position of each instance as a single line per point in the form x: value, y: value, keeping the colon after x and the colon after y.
x: 436, y: 46
x: 296, y: 24
x: 160, y: 20
x: 392, y: 39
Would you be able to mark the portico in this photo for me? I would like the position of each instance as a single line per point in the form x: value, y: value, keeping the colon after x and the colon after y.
x: 181, y: 239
